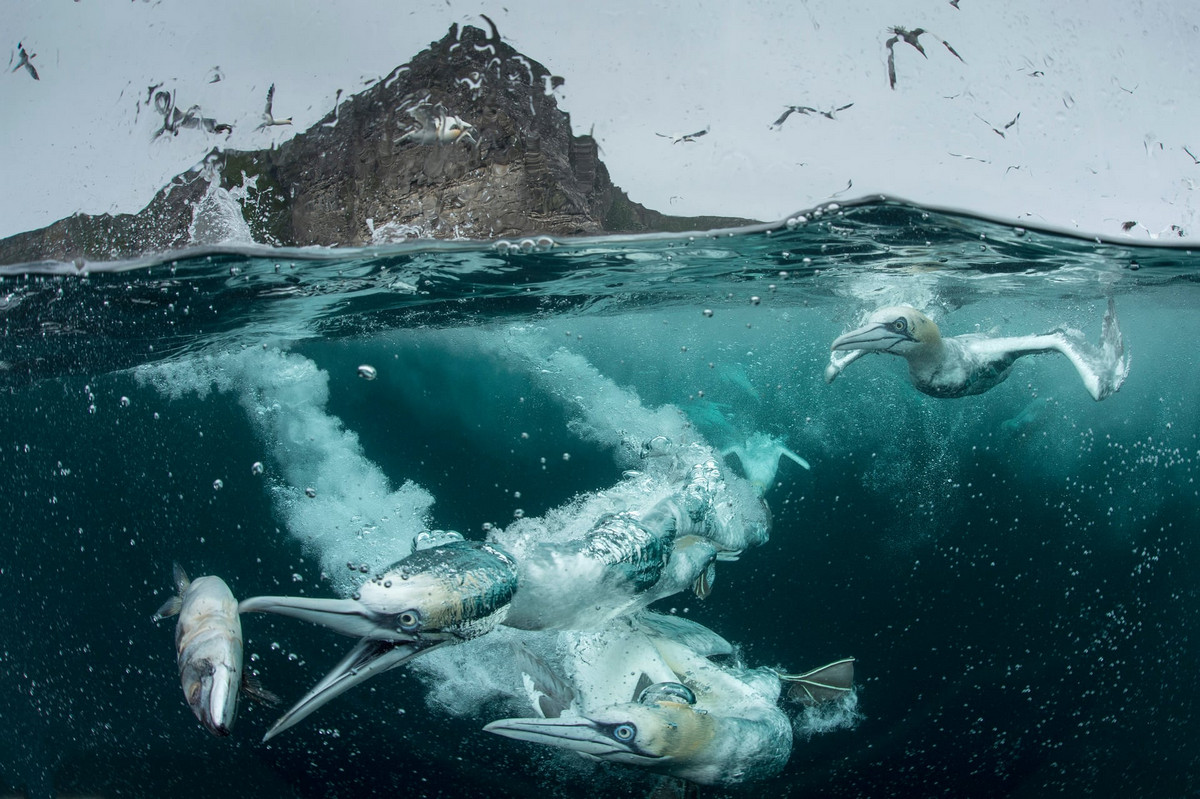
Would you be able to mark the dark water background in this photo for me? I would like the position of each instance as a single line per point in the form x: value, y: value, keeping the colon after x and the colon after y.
x: 1021, y: 597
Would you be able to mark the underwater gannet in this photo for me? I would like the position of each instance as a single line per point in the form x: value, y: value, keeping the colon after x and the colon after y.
x: 446, y: 593
x: 911, y: 37
x: 677, y: 138
x: 459, y: 590
x: 208, y: 647
x: 268, y: 117
x: 959, y: 366
x: 26, y: 60
x: 759, y: 457
x: 647, y: 695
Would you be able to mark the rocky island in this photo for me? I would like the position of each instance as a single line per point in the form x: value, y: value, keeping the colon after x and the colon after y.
x: 464, y: 141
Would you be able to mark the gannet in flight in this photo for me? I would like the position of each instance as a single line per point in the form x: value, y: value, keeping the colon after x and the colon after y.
x: 911, y: 37
x: 805, y: 109
x: 26, y: 60
x: 676, y: 138
x: 648, y: 696
x: 268, y: 117
x: 959, y: 366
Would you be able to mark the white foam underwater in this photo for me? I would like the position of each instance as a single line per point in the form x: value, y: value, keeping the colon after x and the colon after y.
x: 336, y: 502
x: 344, y: 509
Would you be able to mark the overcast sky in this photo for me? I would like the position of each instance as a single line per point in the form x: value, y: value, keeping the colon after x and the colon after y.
x: 1106, y: 94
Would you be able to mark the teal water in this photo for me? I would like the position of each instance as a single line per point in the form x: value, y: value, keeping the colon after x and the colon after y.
x: 1013, y: 571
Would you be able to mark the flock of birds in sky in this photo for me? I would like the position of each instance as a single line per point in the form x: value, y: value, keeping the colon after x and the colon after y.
x: 435, y: 125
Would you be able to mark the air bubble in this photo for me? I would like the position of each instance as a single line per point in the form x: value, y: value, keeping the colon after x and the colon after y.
x: 708, y: 312
x: 310, y: 492
x: 218, y: 485
x: 367, y: 372
x: 256, y: 468
x: 124, y: 402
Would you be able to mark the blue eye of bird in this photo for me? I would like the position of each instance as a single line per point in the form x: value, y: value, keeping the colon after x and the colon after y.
x: 900, y: 324
x: 624, y: 732
x: 409, y: 620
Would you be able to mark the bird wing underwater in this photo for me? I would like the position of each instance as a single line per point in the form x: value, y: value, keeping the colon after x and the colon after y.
x: 1103, y: 369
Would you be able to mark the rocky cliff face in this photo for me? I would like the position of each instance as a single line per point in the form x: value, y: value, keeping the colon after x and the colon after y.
x: 466, y: 140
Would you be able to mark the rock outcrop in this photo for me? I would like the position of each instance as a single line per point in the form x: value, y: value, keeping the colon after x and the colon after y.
x: 370, y: 172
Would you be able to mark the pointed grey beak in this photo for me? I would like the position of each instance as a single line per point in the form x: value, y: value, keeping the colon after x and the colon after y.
x: 345, y: 616
x: 873, y: 337
x: 575, y: 733
x: 365, y: 660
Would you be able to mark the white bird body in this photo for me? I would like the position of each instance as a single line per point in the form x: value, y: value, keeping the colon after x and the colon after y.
x: 960, y: 366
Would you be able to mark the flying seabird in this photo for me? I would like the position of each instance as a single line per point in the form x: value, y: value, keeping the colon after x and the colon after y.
x: 911, y: 37
x: 26, y: 60
x: 268, y: 117
x: 676, y: 138
x: 959, y: 366
x: 1000, y: 131
x: 804, y: 109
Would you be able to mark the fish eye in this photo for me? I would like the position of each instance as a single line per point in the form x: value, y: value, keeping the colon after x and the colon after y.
x: 409, y: 620
x: 624, y: 732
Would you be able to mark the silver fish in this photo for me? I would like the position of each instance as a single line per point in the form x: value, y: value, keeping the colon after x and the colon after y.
x: 208, y: 646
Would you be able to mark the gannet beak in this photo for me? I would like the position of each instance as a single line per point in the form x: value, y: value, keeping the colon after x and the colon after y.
x: 875, y: 337
x: 576, y: 733
x: 366, y: 659
x: 345, y: 616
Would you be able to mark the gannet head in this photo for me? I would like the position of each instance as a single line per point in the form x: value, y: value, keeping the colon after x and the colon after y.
x: 664, y: 734
x: 898, y: 329
x: 435, y: 596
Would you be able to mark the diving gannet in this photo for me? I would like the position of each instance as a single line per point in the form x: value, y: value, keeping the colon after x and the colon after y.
x: 26, y: 60
x: 677, y: 138
x: 960, y: 366
x: 208, y: 646
x: 647, y: 695
x: 268, y: 117
x: 452, y: 591
x: 759, y: 457
x: 449, y: 590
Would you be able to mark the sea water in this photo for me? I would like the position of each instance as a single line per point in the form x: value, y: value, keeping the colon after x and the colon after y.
x: 1014, y: 571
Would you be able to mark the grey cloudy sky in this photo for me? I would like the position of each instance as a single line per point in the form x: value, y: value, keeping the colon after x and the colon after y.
x: 1105, y: 92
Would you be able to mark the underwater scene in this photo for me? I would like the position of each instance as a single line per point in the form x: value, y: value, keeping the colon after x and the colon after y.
x: 878, y: 500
